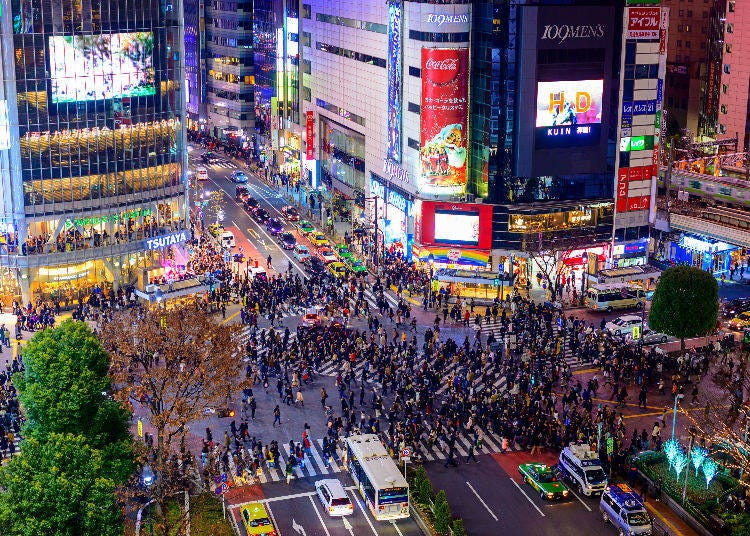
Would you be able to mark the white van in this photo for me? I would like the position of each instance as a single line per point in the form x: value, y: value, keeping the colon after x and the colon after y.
x: 334, y: 498
x: 227, y: 240
x: 581, y: 467
x: 202, y: 174
x: 624, y: 508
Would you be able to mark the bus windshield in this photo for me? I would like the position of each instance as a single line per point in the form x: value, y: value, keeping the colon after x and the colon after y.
x: 392, y: 495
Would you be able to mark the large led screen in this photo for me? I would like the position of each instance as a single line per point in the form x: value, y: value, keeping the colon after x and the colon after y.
x: 569, y: 103
x: 457, y: 227
x: 98, y: 67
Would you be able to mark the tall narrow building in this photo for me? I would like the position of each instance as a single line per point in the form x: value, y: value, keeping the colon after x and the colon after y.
x: 92, y: 146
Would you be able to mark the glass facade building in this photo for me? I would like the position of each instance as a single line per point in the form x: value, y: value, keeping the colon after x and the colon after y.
x: 92, y: 156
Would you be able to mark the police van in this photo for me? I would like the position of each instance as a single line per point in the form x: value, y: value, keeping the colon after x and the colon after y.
x: 581, y: 467
x: 624, y: 508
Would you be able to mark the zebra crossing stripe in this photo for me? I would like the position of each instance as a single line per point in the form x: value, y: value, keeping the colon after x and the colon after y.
x: 318, y: 461
x: 334, y: 465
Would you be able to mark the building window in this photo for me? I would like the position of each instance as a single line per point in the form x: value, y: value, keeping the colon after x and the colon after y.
x: 729, y: 48
x: 306, y: 39
x: 306, y: 94
x: 412, y: 143
x: 724, y: 109
x: 724, y: 88
x: 346, y: 114
x: 415, y: 71
x: 352, y: 23
x: 306, y: 67
x: 727, y: 68
x: 306, y: 11
x: 414, y: 108
x: 351, y: 54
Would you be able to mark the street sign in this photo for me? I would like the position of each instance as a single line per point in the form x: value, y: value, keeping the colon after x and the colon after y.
x: 610, y: 446
x: 636, y: 333
x: 140, y: 428
x: 405, y: 453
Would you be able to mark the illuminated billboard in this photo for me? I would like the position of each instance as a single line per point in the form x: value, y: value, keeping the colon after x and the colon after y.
x: 444, y: 119
x: 569, y: 103
x: 98, y: 67
x: 394, y: 81
x: 457, y: 227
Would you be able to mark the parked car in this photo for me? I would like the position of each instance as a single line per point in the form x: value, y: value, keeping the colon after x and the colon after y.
x: 274, y: 226
x: 239, y: 176
x: 288, y: 241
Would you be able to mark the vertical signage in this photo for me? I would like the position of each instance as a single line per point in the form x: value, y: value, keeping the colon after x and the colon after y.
x: 444, y: 119
x: 394, y: 81
x: 275, y: 123
x: 622, y: 190
x: 644, y: 22
x: 309, y: 135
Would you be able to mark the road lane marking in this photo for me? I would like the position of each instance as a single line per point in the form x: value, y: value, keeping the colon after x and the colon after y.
x: 365, y: 512
x: 315, y: 507
x: 528, y: 498
x: 397, y: 529
x: 482, y: 501
x: 273, y: 519
x: 586, y: 506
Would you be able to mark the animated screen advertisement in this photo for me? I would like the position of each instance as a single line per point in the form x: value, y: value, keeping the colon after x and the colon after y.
x: 444, y: 116
x: 98, y: 67
x: 569, y: 112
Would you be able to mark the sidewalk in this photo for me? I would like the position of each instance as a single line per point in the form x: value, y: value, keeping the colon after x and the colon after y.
x: 668, y: 519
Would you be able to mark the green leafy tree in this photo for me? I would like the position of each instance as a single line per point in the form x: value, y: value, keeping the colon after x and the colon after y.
x: 425, y: 491
x: 685, y: 304
x: 58, y: 487
x: 64, y: 389
x: 442, y: 513
x: 458, y: 528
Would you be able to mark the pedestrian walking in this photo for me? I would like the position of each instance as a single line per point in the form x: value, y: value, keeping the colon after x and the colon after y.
x: 276, y: 415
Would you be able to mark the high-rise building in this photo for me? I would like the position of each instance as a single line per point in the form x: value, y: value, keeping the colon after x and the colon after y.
x: 687, y: 51
x: 92, y: 155
x: 230, y: 82
x: 195, y: 63
x: 725, y: 103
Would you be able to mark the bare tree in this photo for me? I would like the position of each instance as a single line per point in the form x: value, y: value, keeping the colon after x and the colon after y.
x: 178, y: 364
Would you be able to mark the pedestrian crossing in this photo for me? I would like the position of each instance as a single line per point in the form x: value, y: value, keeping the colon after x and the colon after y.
x: 314, y: 464
x: 222, y: 162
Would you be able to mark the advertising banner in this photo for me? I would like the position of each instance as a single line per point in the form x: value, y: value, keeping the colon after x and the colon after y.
x: 444, y: 119
x: 622, y: 190
x: 394, y: 81
x: 464, y: 224
x: 568, y: 112
x: 643, y: 23
x: 638, y: 203
x: 309, y: 136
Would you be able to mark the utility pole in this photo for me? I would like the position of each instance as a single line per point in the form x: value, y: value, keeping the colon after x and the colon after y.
x: 376, y: 230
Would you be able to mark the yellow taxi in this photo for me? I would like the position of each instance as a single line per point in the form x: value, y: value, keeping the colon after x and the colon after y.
x: 338, y: 269
x: 740, y: 321
x: 318, y: 240
x: 256, y: 520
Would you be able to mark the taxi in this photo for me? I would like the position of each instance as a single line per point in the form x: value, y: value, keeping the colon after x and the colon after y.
x: 356, y: 265
x: 318, y: 240
x: 327, y: 255
x: 541, y: 477
x: 740, y: 321
x: 343, y: 251
x: 305, y: 227
x: 338, y: 269
x: 256, y: 520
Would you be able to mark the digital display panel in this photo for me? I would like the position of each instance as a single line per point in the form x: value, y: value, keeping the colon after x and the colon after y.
x: 457, y: 227
x: 569, y: 103
x: 98, y: 67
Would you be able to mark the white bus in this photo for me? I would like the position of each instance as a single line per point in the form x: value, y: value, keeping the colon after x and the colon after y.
x: 608, y: 297
x: 381, y: 484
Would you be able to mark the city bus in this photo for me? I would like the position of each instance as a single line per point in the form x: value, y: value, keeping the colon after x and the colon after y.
x: 381, y: 484
x: 608, y: 297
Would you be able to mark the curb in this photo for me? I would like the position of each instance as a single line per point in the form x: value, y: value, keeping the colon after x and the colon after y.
x: 418, y: 520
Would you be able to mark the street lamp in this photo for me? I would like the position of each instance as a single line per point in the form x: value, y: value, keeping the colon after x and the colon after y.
x: 677, y: 397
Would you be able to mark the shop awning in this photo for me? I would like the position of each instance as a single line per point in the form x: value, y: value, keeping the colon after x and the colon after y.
x: 442, y: 255
x: 454, y: 275
x: 627, y: 274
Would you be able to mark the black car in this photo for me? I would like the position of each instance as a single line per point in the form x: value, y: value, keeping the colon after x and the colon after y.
x: 288, y: 241
x: 251, y: 204
x: 209, y: 157
x: 260, y: 215
x: 734, y: 307
x: 315, y: 265
x: 274, y: 226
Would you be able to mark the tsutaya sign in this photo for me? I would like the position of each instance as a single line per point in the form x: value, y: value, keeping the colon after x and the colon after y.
x: 168, y: 240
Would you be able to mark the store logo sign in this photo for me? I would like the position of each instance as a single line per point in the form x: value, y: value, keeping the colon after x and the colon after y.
x: 438, y: 19
x: 165, y: 241
x: 562, y: 32
x: 394, y: 171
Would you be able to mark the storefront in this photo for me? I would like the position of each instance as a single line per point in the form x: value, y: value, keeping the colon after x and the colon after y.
x: 706, y: 253
x: 395, y: 216
x: 632, y: 254
x: 481, y: 286
x: 342, y: 160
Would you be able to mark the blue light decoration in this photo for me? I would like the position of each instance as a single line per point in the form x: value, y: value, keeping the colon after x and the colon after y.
x: 680, y: 462
x: 671, y: 449
x: 710, y: 468
x: 697, y: 455
x: 394, y: 81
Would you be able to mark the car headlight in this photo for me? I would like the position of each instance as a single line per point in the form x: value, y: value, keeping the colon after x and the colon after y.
x: 550, y: 495
x: 565, y: 493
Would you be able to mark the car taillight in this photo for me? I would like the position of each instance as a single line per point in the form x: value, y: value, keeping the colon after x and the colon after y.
x: 330, y: 508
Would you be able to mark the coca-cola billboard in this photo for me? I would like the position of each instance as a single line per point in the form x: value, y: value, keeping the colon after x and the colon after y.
x: 444, y: 118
